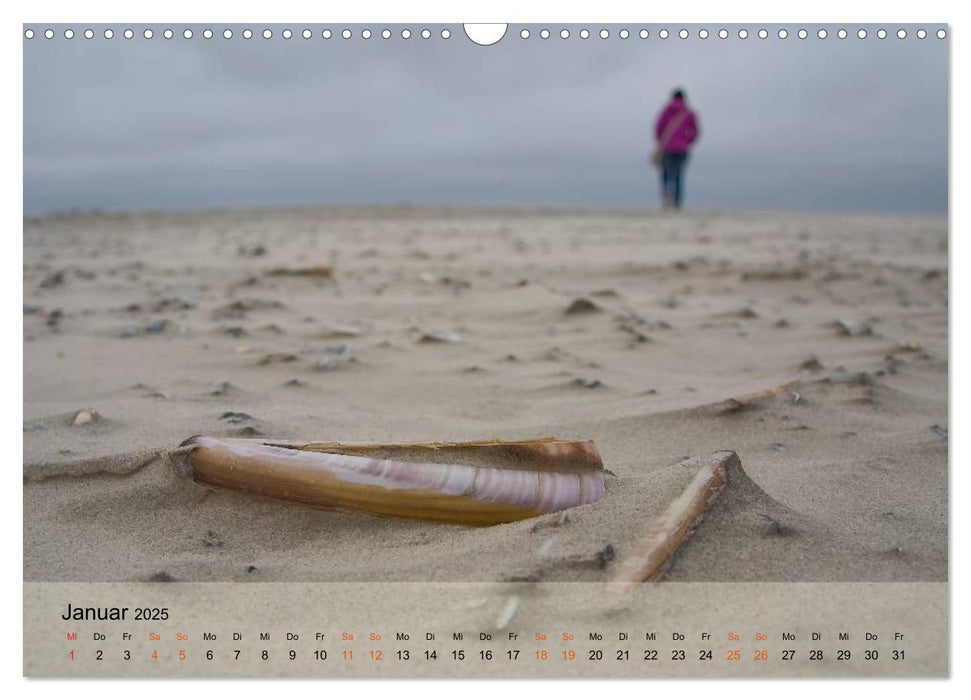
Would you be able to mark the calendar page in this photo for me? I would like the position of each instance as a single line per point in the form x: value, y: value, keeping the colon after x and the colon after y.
x: 431, y: 350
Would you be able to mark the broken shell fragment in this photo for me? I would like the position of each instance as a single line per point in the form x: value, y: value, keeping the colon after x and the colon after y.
x: 440, y: 336
x: 852, y: 328
x: 84, y: 416
x: 472, y: 483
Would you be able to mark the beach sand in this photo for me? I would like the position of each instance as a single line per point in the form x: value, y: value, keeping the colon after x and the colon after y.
x: 633, y: 329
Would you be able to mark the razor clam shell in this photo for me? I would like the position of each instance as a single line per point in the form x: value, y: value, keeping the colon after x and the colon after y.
x: 540, y: 454
x: 455, y: 493
x: 653, y: 549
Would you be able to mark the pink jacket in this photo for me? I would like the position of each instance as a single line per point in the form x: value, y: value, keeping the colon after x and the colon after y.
x: 686, y: 133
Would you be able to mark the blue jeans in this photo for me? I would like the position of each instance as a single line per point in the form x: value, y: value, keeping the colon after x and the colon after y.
x: 672, y: 171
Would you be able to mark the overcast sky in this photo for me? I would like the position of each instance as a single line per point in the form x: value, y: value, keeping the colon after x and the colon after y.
x: 184, y: 124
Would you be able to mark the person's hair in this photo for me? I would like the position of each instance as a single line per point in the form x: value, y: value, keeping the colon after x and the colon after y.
x: 678, y: 93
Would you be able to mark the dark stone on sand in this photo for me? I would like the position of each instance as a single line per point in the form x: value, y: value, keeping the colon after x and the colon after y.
x: 857, y: 378
x: 253, y: 252
x: 605, y: 556
x: 275, y: 358
x: 224, y: 389
x: 156, y: 327
x: 581, y: 305
x: 174, y: 304
x: 161, y: 577
x: 812, y: 364
x: 235, y: 417
x: 774, y: 274
x: 634, y: 324
x: 238, y: 309
x: 212, y: 539
x: 55, y: 279
x: 852, y: 329
x: 773, y: 527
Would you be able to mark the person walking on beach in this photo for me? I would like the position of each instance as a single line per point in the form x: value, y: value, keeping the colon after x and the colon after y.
x: 676, y: 130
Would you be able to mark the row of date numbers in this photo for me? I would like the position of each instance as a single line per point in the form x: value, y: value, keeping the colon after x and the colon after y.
x: 377, y: 655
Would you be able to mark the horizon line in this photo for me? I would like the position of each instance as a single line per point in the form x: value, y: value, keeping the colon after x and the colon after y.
x: 466, y: 208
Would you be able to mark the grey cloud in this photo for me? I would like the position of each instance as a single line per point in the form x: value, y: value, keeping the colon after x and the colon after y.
x: 834, y: 124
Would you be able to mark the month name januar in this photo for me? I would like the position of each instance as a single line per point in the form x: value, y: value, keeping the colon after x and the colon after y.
x: 77, y: 613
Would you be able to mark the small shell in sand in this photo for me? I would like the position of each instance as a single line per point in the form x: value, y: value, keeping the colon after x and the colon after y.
x: 472, y: 483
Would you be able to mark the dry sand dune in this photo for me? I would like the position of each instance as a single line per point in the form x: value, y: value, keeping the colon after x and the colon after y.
x: 815, y: 346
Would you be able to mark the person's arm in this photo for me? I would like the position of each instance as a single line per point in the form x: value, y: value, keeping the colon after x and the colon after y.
x: 693, y: 130
x: 661, y: 124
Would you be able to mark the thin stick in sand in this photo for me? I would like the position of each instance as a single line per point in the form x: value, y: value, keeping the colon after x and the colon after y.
x: 314, y: 271
x: 658, y: 543
x: 748, y: 400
